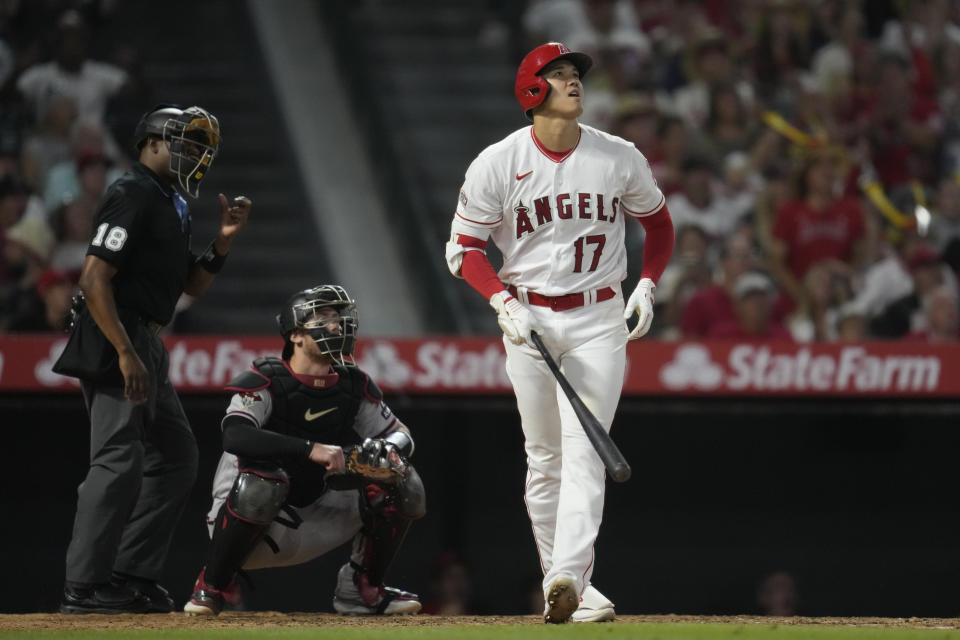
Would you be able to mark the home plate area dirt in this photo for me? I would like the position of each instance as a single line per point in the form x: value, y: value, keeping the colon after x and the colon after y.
x: 46, y: 621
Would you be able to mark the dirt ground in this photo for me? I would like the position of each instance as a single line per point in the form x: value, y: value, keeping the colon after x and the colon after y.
x: 41, y: 621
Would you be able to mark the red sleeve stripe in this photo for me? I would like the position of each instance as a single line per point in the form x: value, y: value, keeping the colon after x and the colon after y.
x: 249, y: 389
x: 646, y: 213
x: 485, y: 224
x: 469, y: 241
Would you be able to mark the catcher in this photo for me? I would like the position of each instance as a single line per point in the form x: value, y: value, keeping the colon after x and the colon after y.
x: 312, y: 459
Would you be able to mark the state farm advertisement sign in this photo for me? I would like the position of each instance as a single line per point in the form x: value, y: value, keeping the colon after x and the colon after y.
x: 793, y: 369
x: 204, y: 364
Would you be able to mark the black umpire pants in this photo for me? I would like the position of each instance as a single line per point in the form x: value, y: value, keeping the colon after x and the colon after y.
x: 143, y: 462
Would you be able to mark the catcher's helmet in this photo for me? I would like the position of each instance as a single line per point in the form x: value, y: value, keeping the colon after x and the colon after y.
x: 194, y: 137
x: 530, y: 88
x: 304, y: 310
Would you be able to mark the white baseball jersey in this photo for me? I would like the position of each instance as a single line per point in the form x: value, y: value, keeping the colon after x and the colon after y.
x: 558, y: 224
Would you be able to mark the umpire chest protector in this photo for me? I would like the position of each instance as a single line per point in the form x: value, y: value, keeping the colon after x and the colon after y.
x: 321, y: 414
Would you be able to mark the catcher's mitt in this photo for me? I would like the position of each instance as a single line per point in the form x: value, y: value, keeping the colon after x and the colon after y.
x: 373, y: 462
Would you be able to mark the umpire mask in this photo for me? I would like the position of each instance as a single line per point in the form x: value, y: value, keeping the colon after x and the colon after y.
x: 194, y: 138
x: 328, y: 315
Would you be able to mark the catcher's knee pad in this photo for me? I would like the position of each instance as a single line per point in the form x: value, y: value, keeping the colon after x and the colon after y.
x: 258, y: 493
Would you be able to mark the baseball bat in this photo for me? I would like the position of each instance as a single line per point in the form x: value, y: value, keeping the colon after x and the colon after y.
x: 613, y: 460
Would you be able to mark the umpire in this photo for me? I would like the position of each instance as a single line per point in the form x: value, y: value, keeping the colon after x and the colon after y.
x: 143, y: 455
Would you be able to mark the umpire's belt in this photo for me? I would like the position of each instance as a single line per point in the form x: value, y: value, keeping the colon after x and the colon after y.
x: 562, y: 303
x: 153, y: 327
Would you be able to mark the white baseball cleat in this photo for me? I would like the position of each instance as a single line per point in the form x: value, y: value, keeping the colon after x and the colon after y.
x: 561, y: 600
x: 594, y: 607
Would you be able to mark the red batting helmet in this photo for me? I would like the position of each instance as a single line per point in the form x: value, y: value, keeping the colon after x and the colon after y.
x: 530, y: 88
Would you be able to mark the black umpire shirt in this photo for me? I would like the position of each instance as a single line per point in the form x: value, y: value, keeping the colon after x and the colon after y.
x: 143, y: 229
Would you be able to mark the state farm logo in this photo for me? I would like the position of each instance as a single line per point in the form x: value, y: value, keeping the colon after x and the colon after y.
x: 215, y: 366
x: 752, y: 367
x: 691, y: 367
x: 435, y: 365
x: 382, y: 362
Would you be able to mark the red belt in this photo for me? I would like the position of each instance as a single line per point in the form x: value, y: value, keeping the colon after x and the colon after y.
x: 562, y: 303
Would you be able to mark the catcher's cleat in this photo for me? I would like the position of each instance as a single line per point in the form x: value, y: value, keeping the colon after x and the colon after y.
x: 594, y: 607
x: 562, y: 600
x: 158, y: 598
x: 205, y: 601
x: 355, y: 596
x: 101, y: 598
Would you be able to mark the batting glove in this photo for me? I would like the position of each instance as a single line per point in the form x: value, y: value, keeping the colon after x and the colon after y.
x: 513, y: 318
x: 641, y: 302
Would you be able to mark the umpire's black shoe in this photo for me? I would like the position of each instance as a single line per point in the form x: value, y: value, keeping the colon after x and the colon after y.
x: 101, y: 598
x: 158, y: 598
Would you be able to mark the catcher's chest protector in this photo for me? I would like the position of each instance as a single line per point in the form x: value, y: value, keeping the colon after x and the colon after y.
x: 323, y: 415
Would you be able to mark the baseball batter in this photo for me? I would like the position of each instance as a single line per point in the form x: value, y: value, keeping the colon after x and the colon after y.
x: 553, y: 197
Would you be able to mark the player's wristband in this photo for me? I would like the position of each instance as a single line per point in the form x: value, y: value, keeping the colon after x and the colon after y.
x: 211, y: 261
x: 402, y: 441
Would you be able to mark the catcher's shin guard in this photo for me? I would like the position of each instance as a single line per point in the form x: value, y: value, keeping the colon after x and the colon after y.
x: 257, y: 496
x: 387, y: 515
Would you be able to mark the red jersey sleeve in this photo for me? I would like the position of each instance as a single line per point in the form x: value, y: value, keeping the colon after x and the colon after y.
x: 658, y: 246
x: 479, y: 274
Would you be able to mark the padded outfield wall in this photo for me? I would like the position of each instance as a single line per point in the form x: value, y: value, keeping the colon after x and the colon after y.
x: 854, y: 495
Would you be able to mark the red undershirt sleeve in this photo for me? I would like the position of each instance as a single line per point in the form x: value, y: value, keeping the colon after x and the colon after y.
x: 479, y: 274
x: 658, y: 246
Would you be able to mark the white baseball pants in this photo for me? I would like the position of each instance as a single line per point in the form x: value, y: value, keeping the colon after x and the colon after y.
x: 565, y: 479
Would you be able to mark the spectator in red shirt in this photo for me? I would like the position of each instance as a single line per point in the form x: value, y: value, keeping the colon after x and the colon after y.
x: 754, y: 295
x: 47, y: 306
x: 904, y: 125
x: 666, y: 161
x: 815, y: 226
x: 781, y: 47
x: 713, y: 304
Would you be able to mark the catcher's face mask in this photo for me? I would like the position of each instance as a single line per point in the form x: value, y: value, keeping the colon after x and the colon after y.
x: 194, y: 139
x: 329, y: 317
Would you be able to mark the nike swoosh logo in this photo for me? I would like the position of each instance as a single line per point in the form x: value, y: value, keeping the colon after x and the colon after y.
x: 521, y: 177
x: 313, y: 416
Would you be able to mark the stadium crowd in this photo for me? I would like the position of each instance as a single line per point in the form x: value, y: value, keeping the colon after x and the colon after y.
x: 808, y: 150
x: 58, y: 150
